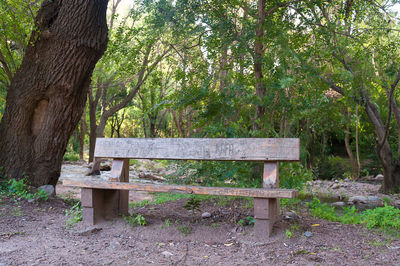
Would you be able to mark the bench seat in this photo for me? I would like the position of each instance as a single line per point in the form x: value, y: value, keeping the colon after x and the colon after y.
x: 221, y: 191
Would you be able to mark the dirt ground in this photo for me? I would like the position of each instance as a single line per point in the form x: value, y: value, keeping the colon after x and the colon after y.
x: 35, y: 234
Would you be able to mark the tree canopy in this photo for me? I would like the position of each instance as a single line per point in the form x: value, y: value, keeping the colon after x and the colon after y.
x: 324, y: 71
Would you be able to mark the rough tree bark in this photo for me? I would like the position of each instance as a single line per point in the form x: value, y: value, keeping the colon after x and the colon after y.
x: 47, y: 94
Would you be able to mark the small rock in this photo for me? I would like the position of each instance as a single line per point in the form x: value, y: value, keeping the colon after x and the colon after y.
x: 338, y: 204
x: 49, y: 189
x: 290, y: 215
x: 167, y: 254
x: 87, y: 231
x: 379, y: 177
x: 151, y: 177
x: 308, y: 234
x: 357, y: 199
x: 205, y: 215
x: 396, y: 203
x: 373, y: 199
x: 336, y: 186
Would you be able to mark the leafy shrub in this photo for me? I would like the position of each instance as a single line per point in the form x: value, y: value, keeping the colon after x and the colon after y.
x: 294, y: 175
x: 74, y: 215
x: 322, y: 210
x: 332, y: 167
x: 214, y: 173
x: 134, y: 220
x: 19, y: 189
x: 386, y: 217
x: 71, y: 156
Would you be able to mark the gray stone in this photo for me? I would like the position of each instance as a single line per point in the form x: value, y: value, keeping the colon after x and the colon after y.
x: 167, y: 254
x: 49, y: 189
x: 338, y: 204
x: 358, y: 199
x: 308, y: 234
x: 336, y: 186
x: 86, y: 231
x: 373, y: 199
x: 290, y: 215
x: 205, y: 215
x: 379, y: 177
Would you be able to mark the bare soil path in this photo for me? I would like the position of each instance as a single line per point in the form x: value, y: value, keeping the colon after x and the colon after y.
x: 35, y: 234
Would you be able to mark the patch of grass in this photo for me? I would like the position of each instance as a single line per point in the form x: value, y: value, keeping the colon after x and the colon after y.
x: 184, y: 229
x: 193, y: 204
x: 386, y: 218
x: 242, y: 222
x: 71, y: 156
x: 134, y: 220
x: 167, y: 223
x: 74, y: 215
x: 19, y: 189
x: 288, y: 233
x: 16, y: 211
x: 68, y: 197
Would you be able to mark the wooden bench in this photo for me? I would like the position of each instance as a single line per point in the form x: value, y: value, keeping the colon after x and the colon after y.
x: 106, y: 199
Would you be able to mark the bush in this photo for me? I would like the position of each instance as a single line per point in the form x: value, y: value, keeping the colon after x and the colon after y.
x: 294, y: 175
x: 71, y: 156
x: 134, y: 220
x: 214, y: 173
x: 74, y: 215
x: 387, y: 217
x: 332, y: 167
x: 19, y: 189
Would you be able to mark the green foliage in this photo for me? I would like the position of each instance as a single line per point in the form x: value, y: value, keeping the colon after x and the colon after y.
x: 386, y: 218
x: 72, y: 153
x: 167, y: 223
x: 250, y: 220
x: 184, y: 229
x: 74, y: 215
x: 193, y: 204
x: 214, y: 173
x: 333, y: 167
x: 322, y: 210
x: 294, y: 175
x: 288, y: 233
x: 134, y: 220
x: 71, y: 157
x: 19, y: 189
x: 242, y: 222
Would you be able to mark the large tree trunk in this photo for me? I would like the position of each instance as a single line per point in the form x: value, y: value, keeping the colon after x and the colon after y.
x: 47, y: 95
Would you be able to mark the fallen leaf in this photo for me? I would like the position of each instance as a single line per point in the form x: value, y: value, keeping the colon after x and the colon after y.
x: 315, y: 225
x: 228, y: 245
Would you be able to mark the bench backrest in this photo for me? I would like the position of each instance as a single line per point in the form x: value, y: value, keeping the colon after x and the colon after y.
x: 219, y: 149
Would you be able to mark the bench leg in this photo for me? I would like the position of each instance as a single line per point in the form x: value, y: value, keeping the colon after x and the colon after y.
x: 266, y: 212
x: 102, y: 204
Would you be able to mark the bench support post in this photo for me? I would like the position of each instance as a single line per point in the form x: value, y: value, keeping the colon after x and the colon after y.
x: 100, y: 204
x: 266, y: 210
